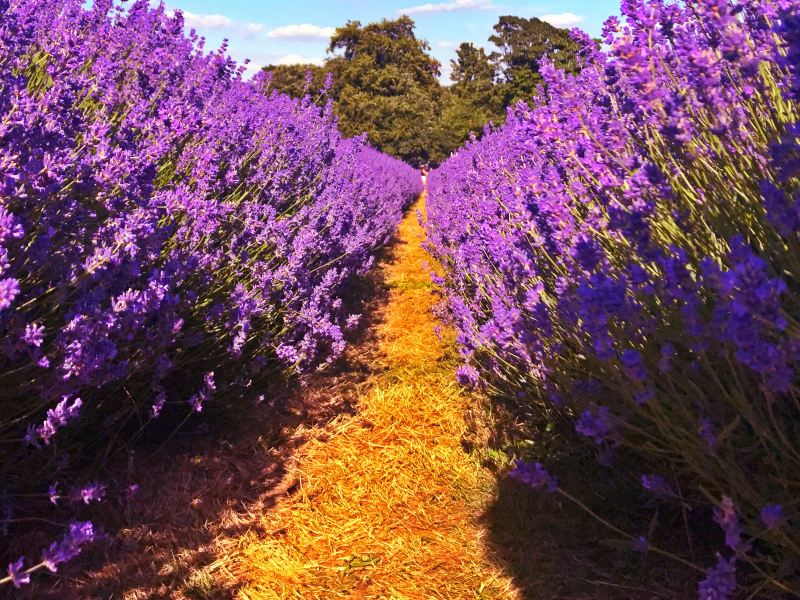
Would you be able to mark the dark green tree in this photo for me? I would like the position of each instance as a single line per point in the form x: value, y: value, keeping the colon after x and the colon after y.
x: 472, y: 67
x: 472, y: 101
x: 297, y: 80
x: 386, y: 84
x: 522, y: 44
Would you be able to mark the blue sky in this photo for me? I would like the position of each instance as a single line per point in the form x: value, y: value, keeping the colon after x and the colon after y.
x: 285, y: 32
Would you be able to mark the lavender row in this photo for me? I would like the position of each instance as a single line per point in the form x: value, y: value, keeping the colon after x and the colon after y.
x: 170, y: 234
x: 624, y: 256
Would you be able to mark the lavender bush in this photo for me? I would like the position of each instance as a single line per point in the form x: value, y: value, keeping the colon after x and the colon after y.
x: 170, y: 235
x: 625, y: 257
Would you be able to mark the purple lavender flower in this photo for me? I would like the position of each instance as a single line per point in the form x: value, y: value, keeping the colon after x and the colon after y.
x: 665, y: 362
x: 633, y: 365
x: 782, y: 211
x: 595, y: 423
x: 158, y: 403
x: 10, y: 228
x: 34, y: 335
x: 534, y: 475
x: 772, y: 515
x: 656, y: 485
x: 52, y: 493
x: 725, y: 516
x: 720, y: 581
x: 69, y: 546
x: 468, y: 376
x: 9, y: 289
x: 288, y: 354
x: 587, y: 253
x: 644, y: 396
x: 87, y: 494
x: 749, y: 315
x: 196, y: 402
x: 57, y: 417
x: 208, y: 382
x: 131, y: 491
x: 17, y: 574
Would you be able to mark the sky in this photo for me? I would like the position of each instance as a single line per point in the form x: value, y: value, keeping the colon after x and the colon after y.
x: 298, y: 31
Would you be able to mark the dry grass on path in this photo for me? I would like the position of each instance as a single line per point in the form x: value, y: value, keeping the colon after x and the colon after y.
x: 386, y: 501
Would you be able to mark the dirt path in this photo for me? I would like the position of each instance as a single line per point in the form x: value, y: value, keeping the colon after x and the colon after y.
x: 385, y: 502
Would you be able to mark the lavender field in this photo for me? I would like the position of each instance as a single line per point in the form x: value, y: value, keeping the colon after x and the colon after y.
x: 615, y: 270
x: 171, y: 236
x: 622, y: 259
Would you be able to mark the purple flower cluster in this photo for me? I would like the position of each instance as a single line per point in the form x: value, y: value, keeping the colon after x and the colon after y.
x: 169, y: 232
x: 69, y: 546
x: 534, y: 475
x: 625, y: 253
x: 720, y: 581
x: 65, y: 549
x: 726, y: 517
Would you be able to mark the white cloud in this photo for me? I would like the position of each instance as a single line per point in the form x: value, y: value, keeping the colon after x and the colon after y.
x: 296, y: 59
x: 196, y: 21
x: 444, y: 78
x: 203, y: 22
x: 303, y: 31
x: 251, y: 29
x: 448, y: 7
x: 566, y: 19
x: 448, y: 45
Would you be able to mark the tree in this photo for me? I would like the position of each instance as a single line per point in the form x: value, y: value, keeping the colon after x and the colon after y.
x: 522, y: 44
x: 472, y: 67
x: 297, y: 80
x: 472, y: 101
x: 386, y: 44
x: 386, y: 84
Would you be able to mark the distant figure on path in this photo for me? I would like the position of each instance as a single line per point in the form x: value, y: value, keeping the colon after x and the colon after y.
x: 424, y: 170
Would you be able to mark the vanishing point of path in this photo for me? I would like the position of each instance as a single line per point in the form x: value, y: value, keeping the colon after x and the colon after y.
x: 386, y: 502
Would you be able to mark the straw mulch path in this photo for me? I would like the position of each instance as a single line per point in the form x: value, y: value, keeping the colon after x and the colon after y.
x: 383, y: 503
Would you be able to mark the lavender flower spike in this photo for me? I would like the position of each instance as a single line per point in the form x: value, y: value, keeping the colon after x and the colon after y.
x: 17, y: 574
x: 69, y: 546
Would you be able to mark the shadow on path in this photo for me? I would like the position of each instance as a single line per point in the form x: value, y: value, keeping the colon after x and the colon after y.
x: 210, y: 483
x: 551, y: 548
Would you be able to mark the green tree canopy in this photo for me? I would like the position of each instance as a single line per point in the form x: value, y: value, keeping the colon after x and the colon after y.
x: 297, y: 80
x: 386, y: 84
x: 472, y: 101
x: 387, y: 44
x: 473, y: 67
x: 522, y: 44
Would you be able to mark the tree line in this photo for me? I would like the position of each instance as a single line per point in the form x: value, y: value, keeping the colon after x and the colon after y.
x: 386, y: 83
